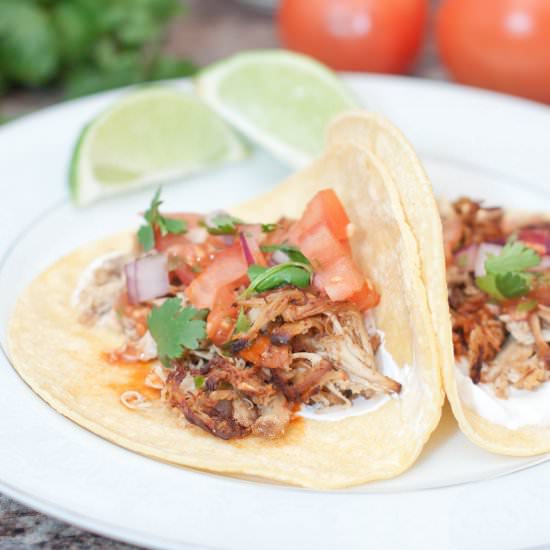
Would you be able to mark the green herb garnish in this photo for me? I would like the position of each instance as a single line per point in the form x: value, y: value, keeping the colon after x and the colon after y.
x: 269, y: 227
x: 223, y: 224
x: 529, y: 305
x: 268, y: 278
x: 513, y: 258
x: 146, y: 233
x: 175, y: 328
x: 199, y: 381
x: 243, y: 323
x: 505, y: 274
x: 291, y: 251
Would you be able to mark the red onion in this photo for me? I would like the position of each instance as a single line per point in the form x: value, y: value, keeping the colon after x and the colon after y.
x: 147, y: 278
x: 465, y: 258
x: 483, y: 253
x: 228, y: 240
x: 544, y: 264
x: 279, y: 257
x: 537, y: 237
x: 246, y: 250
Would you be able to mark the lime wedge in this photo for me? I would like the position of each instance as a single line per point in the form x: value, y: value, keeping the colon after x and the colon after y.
x: 280, y: 100
x: 148, y: 137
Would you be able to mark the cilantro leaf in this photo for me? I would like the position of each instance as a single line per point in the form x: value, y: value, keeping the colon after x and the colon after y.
x: 243, y: 323
x: 174, y: 328
x: 291, y: 251
x: 199, y: 381
x: 290, y: 273
x: 505, y: 277
x: 223, y: 224
x: 146, y: 237
x: 514, y: 257
x: 269, y: 227
x: 146, y: 233
x: 512, y: 285
x: 529, y: 305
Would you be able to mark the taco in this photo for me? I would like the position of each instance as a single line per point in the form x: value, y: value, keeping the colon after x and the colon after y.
x: 494, y: 354
x: 288, y: 339
x: 498, y: 274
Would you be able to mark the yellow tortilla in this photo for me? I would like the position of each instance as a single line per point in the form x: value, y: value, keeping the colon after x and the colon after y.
x: 61, y: 359
x: 375, y: 134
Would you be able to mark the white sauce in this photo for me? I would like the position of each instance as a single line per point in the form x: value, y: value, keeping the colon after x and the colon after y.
x: 522, y: 408
x: 385, y: 364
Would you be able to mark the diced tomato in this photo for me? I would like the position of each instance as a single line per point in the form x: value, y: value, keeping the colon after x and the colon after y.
x: 341, y: 279
x: 263, y: 353
x: 221, y: 319
x: 229, y: 267
x: 325, y: 207
x: 321, y: 246
x: 366, y: 298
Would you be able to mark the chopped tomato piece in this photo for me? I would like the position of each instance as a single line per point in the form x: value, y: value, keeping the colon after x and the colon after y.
x: 321, y: 246
x: 229, y: 267
x: 263, y: 353
x: 324, y: 207
x: 220, y: 322
x: 366, y: 298
x: 341, y: 279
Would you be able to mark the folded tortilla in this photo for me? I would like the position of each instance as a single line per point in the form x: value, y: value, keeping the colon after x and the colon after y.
x: 61, y: 360
x: 375, y: 134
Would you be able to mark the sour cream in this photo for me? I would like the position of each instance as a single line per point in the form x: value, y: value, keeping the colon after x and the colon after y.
x: 522, y: 408
x: 385, y: 364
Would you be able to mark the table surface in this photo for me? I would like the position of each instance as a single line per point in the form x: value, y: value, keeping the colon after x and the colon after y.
x: 210, y: 30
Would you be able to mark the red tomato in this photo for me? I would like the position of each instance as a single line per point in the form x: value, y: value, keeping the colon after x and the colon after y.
x: 498, y: 44
x: 355, y: 35
x: 366, y: 298
x: 341, y: 279
x: 320, y: 246
x: 325, y: 207
x: 221, y: 319
x: 229, y: 267
x: 263, y: 353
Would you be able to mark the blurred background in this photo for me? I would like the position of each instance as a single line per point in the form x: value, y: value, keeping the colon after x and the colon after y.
x: 52, y: 50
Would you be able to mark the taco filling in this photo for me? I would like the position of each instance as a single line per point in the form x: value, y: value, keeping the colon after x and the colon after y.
x: 498, y: 276
x: 244, y: 323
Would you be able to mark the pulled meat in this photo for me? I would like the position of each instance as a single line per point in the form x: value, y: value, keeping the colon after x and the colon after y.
x: 301, y: 349
x: 503, y: 345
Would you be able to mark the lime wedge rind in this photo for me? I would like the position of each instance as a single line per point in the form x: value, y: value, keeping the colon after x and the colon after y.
x: 308, y: 72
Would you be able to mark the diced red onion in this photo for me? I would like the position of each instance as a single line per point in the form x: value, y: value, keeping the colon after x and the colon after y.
x: 279, y: 257
x: 197, y: 235
x: 544, y: 264
x: 537, y: 237
x: 147, y: 278
x: 246, y: 249
x: 465, y: 258
x: 483, y: 253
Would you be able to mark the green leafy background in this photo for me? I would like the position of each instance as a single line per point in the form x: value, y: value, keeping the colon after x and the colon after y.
x: 86, y: 46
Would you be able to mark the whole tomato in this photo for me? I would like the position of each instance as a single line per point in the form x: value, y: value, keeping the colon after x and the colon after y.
x: 498, y: 44
x: 355, y: 35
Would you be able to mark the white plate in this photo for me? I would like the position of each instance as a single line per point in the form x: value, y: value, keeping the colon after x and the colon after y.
x: 476, y: 143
